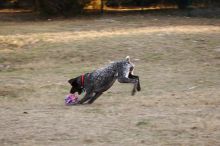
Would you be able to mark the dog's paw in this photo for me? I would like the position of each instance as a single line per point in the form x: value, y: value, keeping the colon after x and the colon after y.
x: 133, y: 92
x: 139, y: 88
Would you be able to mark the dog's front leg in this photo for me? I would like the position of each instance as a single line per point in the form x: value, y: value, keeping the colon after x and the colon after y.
x: 85, y: 98
x: 94, y: 97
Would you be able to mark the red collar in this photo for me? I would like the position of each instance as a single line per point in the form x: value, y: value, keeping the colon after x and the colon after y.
x: 82, y: 81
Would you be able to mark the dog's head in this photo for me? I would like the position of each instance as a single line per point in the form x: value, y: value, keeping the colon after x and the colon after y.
x: 76, y: 85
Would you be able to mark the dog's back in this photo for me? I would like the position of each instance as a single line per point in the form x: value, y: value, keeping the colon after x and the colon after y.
x: 102, y: 79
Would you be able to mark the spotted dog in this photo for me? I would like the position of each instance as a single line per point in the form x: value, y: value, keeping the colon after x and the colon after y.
x: 100, y: 80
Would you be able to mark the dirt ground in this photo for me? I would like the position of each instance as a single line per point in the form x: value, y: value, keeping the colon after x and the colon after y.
x: 177, y: 59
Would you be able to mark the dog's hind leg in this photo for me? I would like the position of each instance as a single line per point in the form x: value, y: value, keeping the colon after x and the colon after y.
x: 134, y: 90
x: 135, y: 77
x: 124, y: 79
x: 95, y: 97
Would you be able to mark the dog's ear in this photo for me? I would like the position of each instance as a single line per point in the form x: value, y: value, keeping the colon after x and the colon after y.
x: 76, y: 87
x: 73, y: 81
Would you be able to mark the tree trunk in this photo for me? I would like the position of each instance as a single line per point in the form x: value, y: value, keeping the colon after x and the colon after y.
x: 182, y: 4
x: 36, y: 5
x: 102, y: 7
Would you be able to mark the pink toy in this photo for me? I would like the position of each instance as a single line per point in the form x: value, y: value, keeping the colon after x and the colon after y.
x: 71, y: 99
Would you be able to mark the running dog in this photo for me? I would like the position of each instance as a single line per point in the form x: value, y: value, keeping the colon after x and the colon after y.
x: 100, y: 80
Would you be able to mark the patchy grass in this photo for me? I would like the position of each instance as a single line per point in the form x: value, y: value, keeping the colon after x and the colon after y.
x: 143, y: 123
x: 177, y: 59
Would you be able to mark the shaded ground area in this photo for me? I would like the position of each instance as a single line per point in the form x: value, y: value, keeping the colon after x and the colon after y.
x: 177, y: 59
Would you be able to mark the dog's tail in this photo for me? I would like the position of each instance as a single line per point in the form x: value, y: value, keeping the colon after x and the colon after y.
x: 128, y: 58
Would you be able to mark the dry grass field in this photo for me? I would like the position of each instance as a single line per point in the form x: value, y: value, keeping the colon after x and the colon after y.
x: 177, y: 59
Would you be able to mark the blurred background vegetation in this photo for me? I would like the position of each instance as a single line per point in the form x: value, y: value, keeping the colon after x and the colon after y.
x: 73, y: 7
